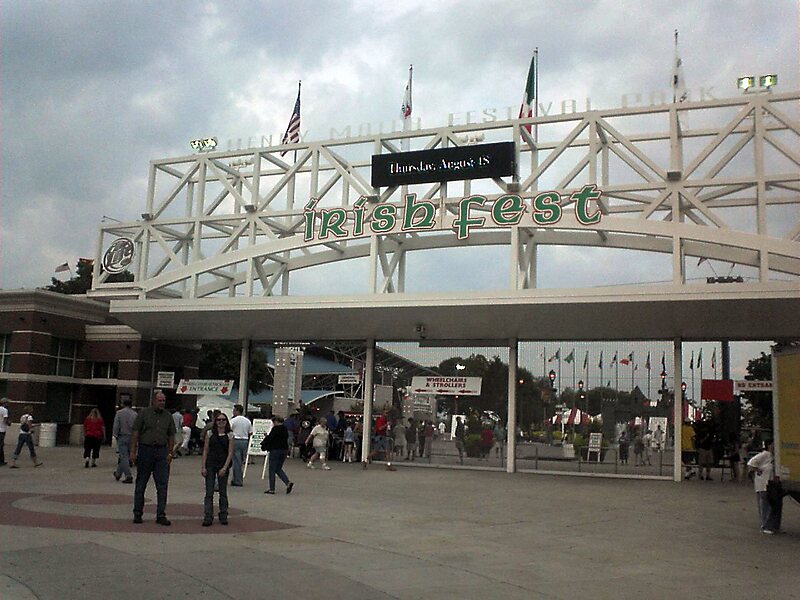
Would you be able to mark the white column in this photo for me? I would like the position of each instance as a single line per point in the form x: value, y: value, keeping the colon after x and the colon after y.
x: 677, y: 409
x: 369, y: 369
x: 244, y: 373
x: 511, y: 425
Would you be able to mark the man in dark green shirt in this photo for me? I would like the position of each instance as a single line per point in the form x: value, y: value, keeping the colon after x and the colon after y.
x: 151, y: 446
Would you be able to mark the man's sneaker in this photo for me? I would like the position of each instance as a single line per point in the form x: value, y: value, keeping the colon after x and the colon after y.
x: 270, y: 492
x: 137, y: 519
x: 38, y: 464
x: 163, y: 521
x: 767, y: 532
x: 289, y: 487
x: 326, y: 468
x: 117, y: 476
x: 207, y: 522
x: 310, y: 466
x: 223, y: 520
x: 128, y: 480
x: 391, y: 468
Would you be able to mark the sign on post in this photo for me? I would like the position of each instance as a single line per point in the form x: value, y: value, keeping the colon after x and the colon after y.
x: 261, y: 429
x: 349, y: 379
x: 446, y: 386
x: 210, y: 387
x: 595, y: 445
x: 748, y: 385
x: 165, y: 380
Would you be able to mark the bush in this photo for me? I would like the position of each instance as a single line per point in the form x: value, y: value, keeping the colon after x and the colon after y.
x: 472, y: 444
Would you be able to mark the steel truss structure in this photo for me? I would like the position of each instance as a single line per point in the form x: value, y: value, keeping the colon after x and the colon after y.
x: 230, y: 224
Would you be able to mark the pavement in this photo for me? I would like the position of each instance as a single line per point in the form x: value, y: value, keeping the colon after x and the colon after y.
x: 417, y: 532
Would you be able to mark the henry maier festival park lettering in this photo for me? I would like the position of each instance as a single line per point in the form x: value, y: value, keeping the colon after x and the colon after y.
x: 545, y: 208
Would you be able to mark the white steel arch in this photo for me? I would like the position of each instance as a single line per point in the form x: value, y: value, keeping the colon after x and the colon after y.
x: 231, y: 223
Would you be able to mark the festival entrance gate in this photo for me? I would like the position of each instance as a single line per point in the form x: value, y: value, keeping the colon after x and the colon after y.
x: 222, y: 232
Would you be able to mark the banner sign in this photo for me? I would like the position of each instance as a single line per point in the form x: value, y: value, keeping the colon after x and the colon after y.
x: 349, y: 379
x: 447, y: 386
x: 420, y: 403
x: 261, y: 429
x: 210, y: 387
x: 748, y: 385
x: 476, y: 161
x: 720, y: 390
x: 472, y: 212
x: 165, y: 380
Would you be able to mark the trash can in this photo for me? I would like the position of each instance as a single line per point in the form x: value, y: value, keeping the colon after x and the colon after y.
x: 47, y: 435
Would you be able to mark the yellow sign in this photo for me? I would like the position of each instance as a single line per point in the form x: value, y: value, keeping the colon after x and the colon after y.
x: 786, y: 374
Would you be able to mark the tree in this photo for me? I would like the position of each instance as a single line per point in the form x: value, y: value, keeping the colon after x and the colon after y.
x: 222, y: 361
x: 81, y: 281
x: 757, y: 412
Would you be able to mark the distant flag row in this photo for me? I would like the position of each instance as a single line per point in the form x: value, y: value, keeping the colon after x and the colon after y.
x: 64, y: 267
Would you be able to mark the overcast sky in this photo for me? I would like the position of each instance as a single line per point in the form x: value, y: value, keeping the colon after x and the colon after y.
x: 93, y: 90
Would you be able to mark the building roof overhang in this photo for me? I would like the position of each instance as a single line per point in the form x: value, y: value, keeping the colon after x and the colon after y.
x: 741, y: 311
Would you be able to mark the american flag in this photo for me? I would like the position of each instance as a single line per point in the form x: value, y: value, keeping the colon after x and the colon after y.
x: 292, y: 135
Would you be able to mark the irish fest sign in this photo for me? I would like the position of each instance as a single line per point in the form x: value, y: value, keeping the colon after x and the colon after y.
x: 446, y: 386
x: 210, y: 387
x: 472, y: 212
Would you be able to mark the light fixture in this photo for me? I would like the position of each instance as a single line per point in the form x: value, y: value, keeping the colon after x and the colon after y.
x: 203, y: 144
x: 251, y: 208
x: 147, y: 216
x: 746, y: 82
x: 767, y: 81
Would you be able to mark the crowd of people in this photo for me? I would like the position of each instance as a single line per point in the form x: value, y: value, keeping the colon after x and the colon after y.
x: 152, y: 437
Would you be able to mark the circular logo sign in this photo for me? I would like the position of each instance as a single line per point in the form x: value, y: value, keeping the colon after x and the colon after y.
x: 118, y: 256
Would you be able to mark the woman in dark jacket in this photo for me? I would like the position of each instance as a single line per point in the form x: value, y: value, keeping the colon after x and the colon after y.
x: 277, y: 444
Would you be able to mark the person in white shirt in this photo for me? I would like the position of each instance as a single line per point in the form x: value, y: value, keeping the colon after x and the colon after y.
x: 764, y: 467
x: 25, y: 439
x: 4, y: 423
x: 318, y: 438
x: 242, y: 430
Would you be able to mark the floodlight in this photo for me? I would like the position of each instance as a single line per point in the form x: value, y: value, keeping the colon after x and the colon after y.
x: 767, y: 81
x: 746, y: 82
x: 147, y: 216
x: 251, y: 208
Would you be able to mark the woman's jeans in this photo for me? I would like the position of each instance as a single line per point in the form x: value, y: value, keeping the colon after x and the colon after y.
x: 212, y: 477
x: 770, y: 513
x: 25, y: 439
x: 276, y: 459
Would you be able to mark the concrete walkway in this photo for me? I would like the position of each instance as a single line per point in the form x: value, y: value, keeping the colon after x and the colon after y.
x: 66, y: 532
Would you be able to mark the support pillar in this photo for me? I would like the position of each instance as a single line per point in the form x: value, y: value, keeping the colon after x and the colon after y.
x: 369, y: 369
x: 244, y: 374
x: 677, y: 410
x: 511, y: 425
x: 726, y: 359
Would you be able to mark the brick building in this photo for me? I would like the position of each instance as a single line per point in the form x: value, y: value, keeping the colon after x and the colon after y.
x: 64, y: 355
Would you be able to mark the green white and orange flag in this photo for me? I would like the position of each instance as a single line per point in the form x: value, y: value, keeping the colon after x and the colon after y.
x: 526, y: 110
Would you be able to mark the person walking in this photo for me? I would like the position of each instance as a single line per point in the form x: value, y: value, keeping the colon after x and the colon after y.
x: 187, y: 422
x: 459, y: 437
x: 624, y: 445
x: 25, y: 438
x: 94, y: 432
x: 349, y: 443
x: 318, y: 439
x: 411, y: 439
x: 763, y: 464
x: 152, y: 439
x: 242, y: 430
x: 178, y: 418
x: 4, y: 423
x: 122, y: 430
x: 217, y: 456
x: 277, y: 445
x: 399, y: 432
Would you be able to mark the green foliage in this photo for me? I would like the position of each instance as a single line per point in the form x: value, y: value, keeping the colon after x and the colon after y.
x: 222, y: 361
x: 757, y: 411
x: 81, y: 281
x: 472, y: 444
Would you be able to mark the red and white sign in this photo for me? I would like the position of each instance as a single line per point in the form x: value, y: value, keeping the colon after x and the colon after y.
x: 208, y: 387
x: 749, y: 385
x: 446, y: 386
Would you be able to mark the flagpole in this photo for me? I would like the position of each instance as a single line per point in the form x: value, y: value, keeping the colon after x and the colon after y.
x: 693, y: 393
x: 701, y: 376
x: 536, y: 95
x: 674, y: 67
